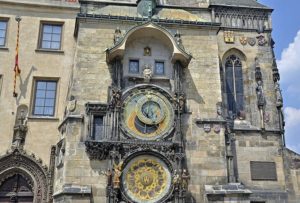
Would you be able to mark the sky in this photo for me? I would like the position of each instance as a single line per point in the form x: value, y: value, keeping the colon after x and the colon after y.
x: 286, y: 34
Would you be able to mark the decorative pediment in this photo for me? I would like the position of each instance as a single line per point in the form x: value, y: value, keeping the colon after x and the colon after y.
x: 150, y: 29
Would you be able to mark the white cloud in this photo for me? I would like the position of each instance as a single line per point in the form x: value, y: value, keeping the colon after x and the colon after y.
x: 292, y: 117
x: 289, y: 64
x: 292, y: 120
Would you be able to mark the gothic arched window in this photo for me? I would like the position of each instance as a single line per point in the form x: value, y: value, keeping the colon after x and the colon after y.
x: 234, y: 85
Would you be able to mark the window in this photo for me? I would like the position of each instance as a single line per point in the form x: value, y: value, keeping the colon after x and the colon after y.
x: 51, y: 36
x: 234, y: 85
x: 134, y: 66
x: 44, y: 98
x: 3, y: 29
x: 97, y: 128
x: 159, y: 68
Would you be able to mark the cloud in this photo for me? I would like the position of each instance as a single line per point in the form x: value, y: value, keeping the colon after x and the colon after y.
x: 292, y: 117
x: 289, y: 64
x: 292, y: 120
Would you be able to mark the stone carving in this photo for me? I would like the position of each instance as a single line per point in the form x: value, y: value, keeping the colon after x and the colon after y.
x: 243, y: 40
x: 147, y: 51
x: 18, y: 161
x: 117, y: 175
x: 259, y: 87
x: 261, y: 40
x: 207, y: 128
x: 147, y: 72
x: 71, y: 105
x: 108, y: 174
x: 117, y: 35
x: 185, y: 177
x: 229, y: 37
x: 20, y: 128
x: 241, y: 18
x: 279, y: 99
x: 178, y: 39
x: 115, y: 98
x: 60, y: 153
x: 219, y: 110
x: 217, y: 128
x: 251, y: 41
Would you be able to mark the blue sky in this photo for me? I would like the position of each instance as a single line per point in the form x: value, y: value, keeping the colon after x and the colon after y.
x: 286, y: 33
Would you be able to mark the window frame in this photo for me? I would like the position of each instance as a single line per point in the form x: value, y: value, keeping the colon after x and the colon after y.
x: 41, y: 35
x: 134, y: 73
x: 234, y: 81
x: 92, y: 133
x: 33, y: 100
x: 3, y: 19
x: 154, y: 71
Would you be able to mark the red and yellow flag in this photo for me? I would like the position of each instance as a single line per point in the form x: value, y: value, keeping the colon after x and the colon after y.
x: 17, y: 69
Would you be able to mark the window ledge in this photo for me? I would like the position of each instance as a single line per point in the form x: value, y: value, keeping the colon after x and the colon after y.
x: 43, y: 118
x: 50, y: 51
x: 4, y: 48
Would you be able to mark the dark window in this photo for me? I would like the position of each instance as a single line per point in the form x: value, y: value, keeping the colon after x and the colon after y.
x: 3, y: 28
x: 263, y: 170
x: 44, y: 98
x: 234, y: 85
x: 51, y: 36
x: 134, y: 66
x: 159, y: 68
x: 97, y: 128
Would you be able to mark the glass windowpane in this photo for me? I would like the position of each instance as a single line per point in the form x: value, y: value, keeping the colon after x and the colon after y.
x: 55, y: 45
x: 47, y: 29
x: 40, y: 102
x: 2, y: 33
x: 57, y: 29
x: 159, y: 68
x: 46, y: 45
x: 2, y: 42
x: 45, y: 98
x: 56, y: 37
x: 50, y: 94
x: 3, y: 25
x: 134, y: 66
x: 47, y: 37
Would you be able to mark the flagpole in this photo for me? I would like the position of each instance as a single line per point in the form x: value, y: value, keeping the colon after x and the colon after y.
x: 17, y: 68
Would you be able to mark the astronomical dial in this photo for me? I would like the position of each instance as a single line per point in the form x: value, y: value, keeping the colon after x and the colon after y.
x: 147, y: 115
x: 146, y: 179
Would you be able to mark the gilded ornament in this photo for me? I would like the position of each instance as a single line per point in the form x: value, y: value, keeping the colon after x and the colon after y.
x: 229, y: 36
x: 146, y: 179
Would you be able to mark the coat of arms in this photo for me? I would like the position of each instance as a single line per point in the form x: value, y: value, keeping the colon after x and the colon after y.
x: 251, y: 41
x: 261, y: 40
x: 229, y: 36
x: 243, y: 40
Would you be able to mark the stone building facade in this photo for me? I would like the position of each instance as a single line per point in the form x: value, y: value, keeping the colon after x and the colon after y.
x: 142, y: 101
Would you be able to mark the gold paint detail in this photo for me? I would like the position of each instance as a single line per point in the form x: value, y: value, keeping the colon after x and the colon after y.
x: 229, y: 37
x: 146, y: 179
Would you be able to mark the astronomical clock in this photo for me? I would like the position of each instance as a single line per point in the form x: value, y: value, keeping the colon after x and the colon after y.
x: 147, y: 115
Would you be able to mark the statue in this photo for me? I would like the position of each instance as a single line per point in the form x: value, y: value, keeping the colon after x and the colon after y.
x: 176, y: 179
x: 185, y: 179
x: 279, y: 100
x: 117, y: 175
x: 115, y: 98
x: 147, y: 72
x: 117, y: 35
x: 260, y: 94
x: 181, y: 100
x: 108, y: 174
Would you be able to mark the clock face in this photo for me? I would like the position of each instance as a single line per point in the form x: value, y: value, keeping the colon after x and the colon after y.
x: 147, y: 115
x: 146, y: 179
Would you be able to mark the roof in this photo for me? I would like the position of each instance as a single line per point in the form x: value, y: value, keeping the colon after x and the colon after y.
x: 238, y: 3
